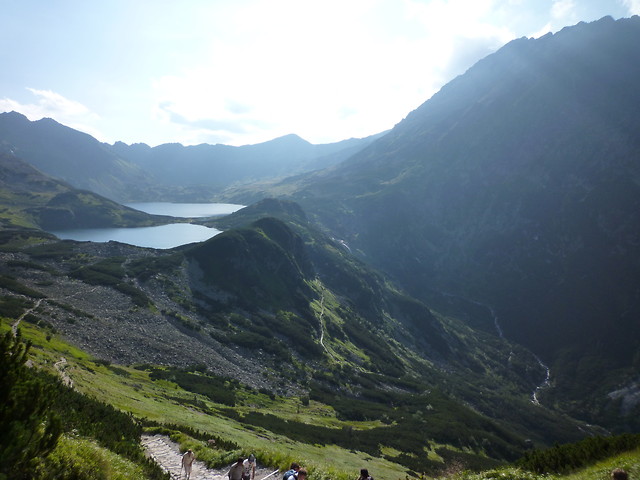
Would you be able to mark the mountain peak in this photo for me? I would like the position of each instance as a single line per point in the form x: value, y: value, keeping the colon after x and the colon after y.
x: 290, y: 139
x: 13, y: 115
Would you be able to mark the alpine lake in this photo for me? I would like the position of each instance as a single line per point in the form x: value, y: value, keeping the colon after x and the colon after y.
x: 162, y: 236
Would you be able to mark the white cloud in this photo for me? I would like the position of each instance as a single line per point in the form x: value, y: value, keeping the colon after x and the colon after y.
x: 56, y: 104
x: 50, y: 104
x: 543, y: 31
x: 304, y: 75
x: 248, y: 71
x: 339, y: 68
x: 562, y: 9
x: 633, y: 6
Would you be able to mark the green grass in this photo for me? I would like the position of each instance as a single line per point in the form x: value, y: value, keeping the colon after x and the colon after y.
x: 629, y: 461
x: 164, y: 402
x: 82, y: 458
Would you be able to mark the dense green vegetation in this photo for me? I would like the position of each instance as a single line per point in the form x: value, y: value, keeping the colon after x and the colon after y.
x: 393, y: 425
x: 13, y: 285
x: 144, y: 268
x: 109, y: 272
x: 570, y: 457
x: 217, y: 389
x: 408, y: 423
x: 29, y: 428
x: 38, y: 410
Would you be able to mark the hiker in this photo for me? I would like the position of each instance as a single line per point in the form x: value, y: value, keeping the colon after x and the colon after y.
x: 364, y: 474
x: 302, y: 474
x: 187, y: 462
x: 235, y: 472
x: 292, y: 473
x: 249, y: 468
x: 619, y: 474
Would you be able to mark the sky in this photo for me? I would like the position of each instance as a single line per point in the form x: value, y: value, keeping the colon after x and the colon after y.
x: 241, y: 72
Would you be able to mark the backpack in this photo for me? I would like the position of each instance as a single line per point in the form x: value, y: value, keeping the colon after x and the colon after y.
x: 289, y: 475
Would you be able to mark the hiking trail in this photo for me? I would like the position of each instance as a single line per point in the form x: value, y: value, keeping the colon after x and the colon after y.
x: 322, y: 328
x: 167, y: 454
x: 16, y: 324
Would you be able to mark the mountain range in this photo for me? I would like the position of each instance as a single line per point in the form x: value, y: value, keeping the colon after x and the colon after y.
x: 278, y: 305
x: 431, y: 276
x: 219, y: 166
x: 167, y: 172
x: 517, y: 186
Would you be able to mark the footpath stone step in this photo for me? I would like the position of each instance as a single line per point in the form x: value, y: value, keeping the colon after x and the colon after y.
x: 167, y: 454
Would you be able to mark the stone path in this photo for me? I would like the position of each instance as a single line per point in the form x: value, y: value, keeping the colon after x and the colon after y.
x: 167, y: 454
x: 16, y: 324
x: 60, y: 367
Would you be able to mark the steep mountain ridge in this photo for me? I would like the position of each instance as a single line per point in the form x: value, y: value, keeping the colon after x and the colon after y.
x: 517, y: 186
x: 70, y: 155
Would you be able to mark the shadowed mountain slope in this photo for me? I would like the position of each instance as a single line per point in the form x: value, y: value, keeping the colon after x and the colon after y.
x: 70, y: 155
x: 29, y: 198
x: 218, y: 166
x: 518, y: 186
x: 276, y: 304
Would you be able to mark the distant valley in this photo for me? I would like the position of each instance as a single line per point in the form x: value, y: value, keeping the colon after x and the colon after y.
x: 421, y: 284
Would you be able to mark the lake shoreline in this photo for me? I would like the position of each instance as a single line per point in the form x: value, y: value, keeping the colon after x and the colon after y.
x: 170, y: 235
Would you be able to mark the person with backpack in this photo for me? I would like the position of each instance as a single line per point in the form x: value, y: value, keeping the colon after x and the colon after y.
x: 292, y: 473
x: 364, y: 475
x: 249, y: 468
x: 236, y: 470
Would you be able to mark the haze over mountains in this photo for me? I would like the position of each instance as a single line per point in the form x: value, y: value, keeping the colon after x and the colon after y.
x: 219, y: 166
x: 508, y: 203
x: 172, y: 171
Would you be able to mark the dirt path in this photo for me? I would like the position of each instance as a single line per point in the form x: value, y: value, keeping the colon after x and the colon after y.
x: 60, y: 367
x: 16, y: 324
x: 322, y: 328
x: 167, y: 454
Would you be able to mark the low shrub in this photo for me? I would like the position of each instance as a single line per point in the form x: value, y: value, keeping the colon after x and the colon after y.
x: 571, y: 456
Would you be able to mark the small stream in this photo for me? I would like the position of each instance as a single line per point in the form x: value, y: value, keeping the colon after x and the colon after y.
x: 546, y: 383
x: 547, y: 380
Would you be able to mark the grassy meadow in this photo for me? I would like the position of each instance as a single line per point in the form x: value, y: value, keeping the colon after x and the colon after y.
x: 164, y: 402
x: 191, y: 418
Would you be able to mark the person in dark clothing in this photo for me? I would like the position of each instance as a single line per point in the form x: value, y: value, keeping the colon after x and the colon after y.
x: 364, y: 475
x: 235, y: 472
x: 619, y: 474
x: 292, y: 473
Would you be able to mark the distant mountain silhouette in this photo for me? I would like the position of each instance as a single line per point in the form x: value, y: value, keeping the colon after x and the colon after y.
x: 70, y: 155
x: 517, y: 186
x: 166, y: 172
x: 222, y: 165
